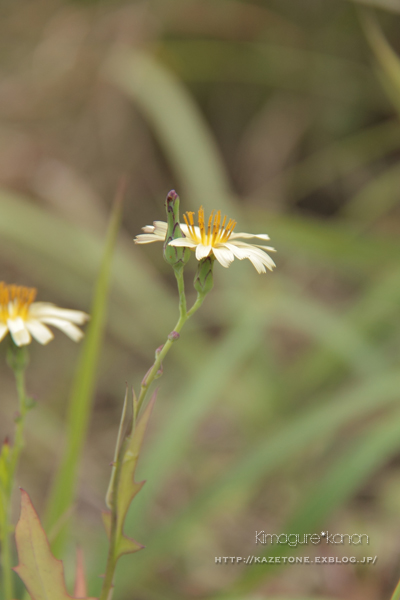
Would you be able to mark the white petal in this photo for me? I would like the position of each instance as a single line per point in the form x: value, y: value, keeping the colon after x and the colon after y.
x: 223, y: 255
x: 152, y: 233
x: 202, y: 251
x: 39, y: 310
x: 185, y: 229
x: 40, y: 332
x: 269, y: 248
x: 261, y: 236
x: 264, y: 257
x: 19, y: 332
x: 259, y: 258
x: 148, y: 238
x: 251, y: 245
x: 257, y: 264
x: 3, y: 330
x: 160, y: 228
x: 184, y: 242
x: 68, y: 328
x: 188, y: 232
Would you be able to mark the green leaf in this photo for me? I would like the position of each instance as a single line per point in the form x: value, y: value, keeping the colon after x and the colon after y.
x: 125, y: 487
x: 83, y: 387
x: 338, y: 160
x: 288, y: 67
x: 364, y: 208
x: 359, y: 459
x: 41, y: 572
x: 390, y: 5
x: 195, y: 400
x: 387, y: 58
x: 396, y: 593
x: 311, y: 425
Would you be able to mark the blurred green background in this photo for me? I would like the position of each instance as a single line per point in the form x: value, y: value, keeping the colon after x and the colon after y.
x: 279, y: 407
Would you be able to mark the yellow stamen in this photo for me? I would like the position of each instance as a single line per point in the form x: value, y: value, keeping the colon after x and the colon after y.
x: 217, y: 222
x: 190, y: 224
x: 15, y: 301
x: 201, y: 223
x: 210, y: 220
x: 216, y: 233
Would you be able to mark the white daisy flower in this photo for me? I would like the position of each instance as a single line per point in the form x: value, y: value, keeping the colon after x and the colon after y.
x: 218, y: 238
x: 24, y: 318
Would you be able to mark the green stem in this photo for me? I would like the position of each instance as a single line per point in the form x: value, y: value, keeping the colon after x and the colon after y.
x: 184, y: 315
x: 18, y: 361
x: 153, y: 373
x: 108, y: 582
x: 8, y: 588
x: 19, y: 424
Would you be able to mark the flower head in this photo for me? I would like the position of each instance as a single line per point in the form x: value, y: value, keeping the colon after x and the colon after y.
x: 24, y: 318
x: 217, y: 238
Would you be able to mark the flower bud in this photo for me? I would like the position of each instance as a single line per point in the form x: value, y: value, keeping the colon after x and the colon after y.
x: 204, y: 281
x: 176, y: 257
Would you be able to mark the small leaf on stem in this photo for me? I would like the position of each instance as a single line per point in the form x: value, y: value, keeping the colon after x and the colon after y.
x: 41, y: 572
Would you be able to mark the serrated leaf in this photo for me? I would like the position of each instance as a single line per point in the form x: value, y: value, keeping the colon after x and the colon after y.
x: 41, y: 572
x: 118, y: 448
x: 126, y: 545
x: 125, y: 487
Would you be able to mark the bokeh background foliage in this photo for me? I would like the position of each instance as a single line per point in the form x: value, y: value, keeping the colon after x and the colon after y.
x: 278, y: 409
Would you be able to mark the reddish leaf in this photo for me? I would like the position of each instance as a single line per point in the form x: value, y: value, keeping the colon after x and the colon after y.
x: 80, y: 580
x: 41, y: 572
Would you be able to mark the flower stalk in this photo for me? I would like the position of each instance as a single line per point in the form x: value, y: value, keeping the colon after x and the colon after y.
x: 17, y: 358
x: 177, y: 258
x: 120, y: 456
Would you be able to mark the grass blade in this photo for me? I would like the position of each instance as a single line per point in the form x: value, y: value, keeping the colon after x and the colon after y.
x: 396, y: 593
x: 385, y: 55
x: 80, y: 403
x: 178, y: 124
x: 315, y: 423
x: 356, y: 463
x: 27, y: 229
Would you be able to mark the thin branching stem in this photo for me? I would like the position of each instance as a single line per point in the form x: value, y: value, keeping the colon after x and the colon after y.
x: 153, y: 373
x: 18, y: 368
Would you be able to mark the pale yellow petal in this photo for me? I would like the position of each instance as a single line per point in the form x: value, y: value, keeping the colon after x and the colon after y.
x: 40, y: 332
x: 3, y: 330
x: 19, y: 332
x: 183, y: 242
x: 258, y: 258
x: 261, y: 236
x: 68, y: 328
x: 38, y: 310
x: 202, y: 251
x: 223, y: 255
x: 160, y: 228
x: 269, y: 248
x: 148, y: 238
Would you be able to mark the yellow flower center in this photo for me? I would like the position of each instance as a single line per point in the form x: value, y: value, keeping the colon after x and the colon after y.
x: 216, y: 232
x: 15, y: 301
